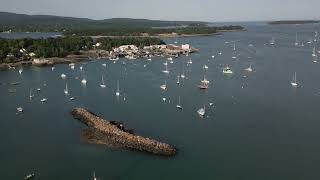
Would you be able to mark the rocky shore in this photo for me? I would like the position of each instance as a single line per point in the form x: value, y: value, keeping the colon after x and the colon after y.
x: 105, y: 132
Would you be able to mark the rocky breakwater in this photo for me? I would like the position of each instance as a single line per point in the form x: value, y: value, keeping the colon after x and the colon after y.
x: 117, y: 134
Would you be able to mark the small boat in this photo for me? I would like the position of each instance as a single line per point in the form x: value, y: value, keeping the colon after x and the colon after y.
x: 182, y: 75
x: 84, y: 81
x: 149, y: 59
x: 205, y: 67
x: 44, y: 100
x: 202, y: 111
x: 20, y: 71
x: 212, y: 56
x: 29, y: 176
x: 234, y: 46
x: 170, y: 59
x: 272, y: 42
x: 211, y: 104
x: 166, y: 70
x: 314, y: 52
x: 20, y: 110
x: 63, y: 76
x: 178, y: 79
x: 66, y: 91
x: 124, y: 97
x: 220, y: 53
x: 39, y: 89
x: 204, y: 84
x: 72, y: 98
x: 178, y: 106
x: 227, y: 70
x: 94, y: 176
x: 190, y: 61
x: 52, y: 68
x: 118, y: 89
x: 71, y: 65
x: 30, y: 94
x: 249, y: 69
x: 81, y: 68
x: 164, y: 86
x: 296, y: 43
x: 294, y: 80
x: 102, y: 85
x: 104, y: 65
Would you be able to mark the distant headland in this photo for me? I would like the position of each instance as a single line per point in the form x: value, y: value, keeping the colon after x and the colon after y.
x: 293, y: 22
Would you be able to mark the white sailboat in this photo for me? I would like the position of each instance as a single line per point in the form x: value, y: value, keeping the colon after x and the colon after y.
x: 205, y: 66
x: 249, y: 69
x: 272, y: 42
x: 234, y: 46
x: 314, y: 52
x: 294, y: 80
x: 202, y: 111
x: 182, y: 75
x: 166, y: 70
x: 178, y: 106
x: 94, y: 176
x: 63, y: 76
x: 164, y: 86
x: 20, y: 71
x: 102, y: 85
x: 178, y: 79
x: 118, y: 89
x: 66, y: 91
x: 84, y: 81
x: 296, y: 42
x: 30, y: 94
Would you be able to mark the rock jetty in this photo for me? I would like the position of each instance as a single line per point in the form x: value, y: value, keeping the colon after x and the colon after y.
x: 119, y: 135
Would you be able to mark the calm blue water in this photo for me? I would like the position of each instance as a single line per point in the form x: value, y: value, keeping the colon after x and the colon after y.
x: 260, y: 128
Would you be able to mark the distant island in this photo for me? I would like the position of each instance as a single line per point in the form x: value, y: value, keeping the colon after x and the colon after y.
x: 11, y: 22
x: 293, y: 22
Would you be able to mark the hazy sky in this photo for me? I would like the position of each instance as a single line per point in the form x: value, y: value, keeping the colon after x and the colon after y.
x: 206, y: 10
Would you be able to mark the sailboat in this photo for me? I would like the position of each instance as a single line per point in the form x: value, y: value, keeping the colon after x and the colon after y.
x: 190, y: 61
x: 314, y: 52
x: 84, y: 81
x: 176, y: 41
x: 94, y: 176
x: 102, y: 85
x: 166, y: 70
x: 202, y: 111
x: 296, y: 42
x: 205, y: 67
x: 234, y: 46
x: 294, y: 80
x: 30, y: 94
x: 178, y: 79
x: 164, y: 86
x: 118, y: 89
x: 182, y: 75
x: 249, y: 69
x: 204, y: 84
x: 178, y: 106
x: 63, y: 76
x: 272, y: 42
x: 66, y: 91
x: 20, y: 71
